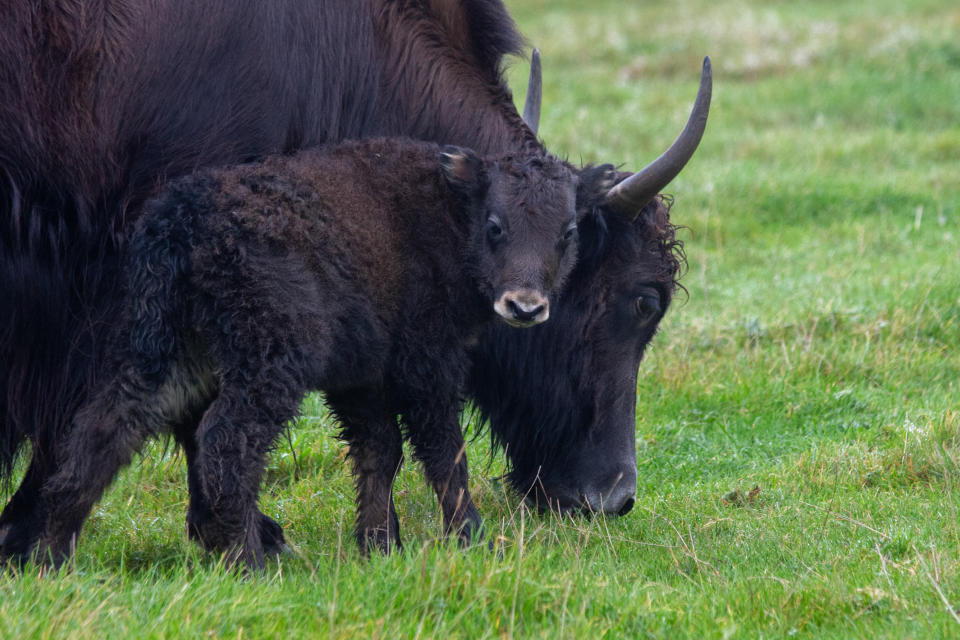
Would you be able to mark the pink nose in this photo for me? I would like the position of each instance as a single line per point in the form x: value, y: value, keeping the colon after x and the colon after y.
x: 522, y: 307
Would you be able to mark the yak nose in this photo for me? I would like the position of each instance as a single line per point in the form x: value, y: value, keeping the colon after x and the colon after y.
x: 615, y: 501
x: 523, y: 307
x: 618, y: 502
x: 613, y: 495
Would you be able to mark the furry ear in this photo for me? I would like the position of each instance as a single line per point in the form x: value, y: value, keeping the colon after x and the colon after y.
x: 464, y: 171
x: 595, y: 182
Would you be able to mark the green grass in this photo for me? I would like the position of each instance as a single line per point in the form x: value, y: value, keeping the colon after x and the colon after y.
x: 816, y: 359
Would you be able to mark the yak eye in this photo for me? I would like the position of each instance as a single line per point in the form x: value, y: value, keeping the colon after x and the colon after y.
x: 494, y: 231
x: 569, y: 233
x: 647, y: 307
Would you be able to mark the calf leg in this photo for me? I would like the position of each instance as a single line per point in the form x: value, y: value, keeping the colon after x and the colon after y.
x: 376, y: 452
x: 232, y: 443
x: 438, y: 443
x: 271, y: 533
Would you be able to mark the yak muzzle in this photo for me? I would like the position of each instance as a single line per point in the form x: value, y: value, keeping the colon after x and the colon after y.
x: 522, y: 307
x: 617, y: 500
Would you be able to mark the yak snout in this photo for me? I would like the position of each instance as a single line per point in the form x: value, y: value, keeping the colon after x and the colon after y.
x: 614, y: 496
x: 618, y: 500
x: 522, y: 307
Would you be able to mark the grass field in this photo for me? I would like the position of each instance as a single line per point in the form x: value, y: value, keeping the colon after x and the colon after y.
x: 798, y: 422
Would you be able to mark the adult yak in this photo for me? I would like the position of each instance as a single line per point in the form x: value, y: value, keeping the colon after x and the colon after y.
x: 101, y: 99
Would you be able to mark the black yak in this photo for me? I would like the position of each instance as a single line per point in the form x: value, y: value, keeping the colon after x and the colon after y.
x: 366, y: 271
x: 101, y: 99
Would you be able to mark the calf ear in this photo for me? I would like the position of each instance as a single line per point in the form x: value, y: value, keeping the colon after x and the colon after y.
x: 463, y: 171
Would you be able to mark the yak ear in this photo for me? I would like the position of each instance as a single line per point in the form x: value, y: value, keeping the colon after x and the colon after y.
x: 464, y: 171
x: 595, y: 181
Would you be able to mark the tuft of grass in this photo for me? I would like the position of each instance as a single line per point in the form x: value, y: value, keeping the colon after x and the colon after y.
x: 798, y: 432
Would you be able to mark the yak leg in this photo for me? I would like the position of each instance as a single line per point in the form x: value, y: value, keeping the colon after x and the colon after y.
x: 438, y: 443
x: 376, y: 452
x: 233, y: 439
x: 23, y: 517
x: 20, y: 515
x: 271, y: 533
x: 105, y: 435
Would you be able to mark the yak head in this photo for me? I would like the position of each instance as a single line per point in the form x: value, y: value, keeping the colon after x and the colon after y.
x: 560, y: 399
x: 522, y: 242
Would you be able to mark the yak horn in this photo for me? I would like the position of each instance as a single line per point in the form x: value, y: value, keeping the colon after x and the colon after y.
x: 633, y: 193
x: 531, y: 109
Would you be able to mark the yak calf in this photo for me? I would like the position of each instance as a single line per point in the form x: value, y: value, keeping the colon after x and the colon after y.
x: 365, y: 271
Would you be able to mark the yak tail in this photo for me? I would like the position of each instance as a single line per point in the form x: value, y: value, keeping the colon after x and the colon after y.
x: 157, y: 266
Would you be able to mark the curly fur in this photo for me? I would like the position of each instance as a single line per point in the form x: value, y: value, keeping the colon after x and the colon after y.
x: 92, y: 96
x: 364, y: 271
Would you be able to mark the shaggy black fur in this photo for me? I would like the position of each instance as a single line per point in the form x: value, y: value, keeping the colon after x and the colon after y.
x: 364, y: 271
x: 101, y: 99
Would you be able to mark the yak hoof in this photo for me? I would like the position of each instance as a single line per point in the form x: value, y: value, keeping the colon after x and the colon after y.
x: 16, y: 545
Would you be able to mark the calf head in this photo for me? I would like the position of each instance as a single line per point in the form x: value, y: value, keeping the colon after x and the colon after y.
x: 523, y: 228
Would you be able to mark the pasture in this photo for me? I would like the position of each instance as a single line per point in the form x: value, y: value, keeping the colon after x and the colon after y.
x: 798, y: 423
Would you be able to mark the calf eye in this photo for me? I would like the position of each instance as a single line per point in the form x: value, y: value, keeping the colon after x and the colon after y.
x: 494, y: 231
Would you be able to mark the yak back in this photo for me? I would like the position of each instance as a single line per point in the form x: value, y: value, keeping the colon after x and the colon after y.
x: 100, y: 100
x: 251, y: 78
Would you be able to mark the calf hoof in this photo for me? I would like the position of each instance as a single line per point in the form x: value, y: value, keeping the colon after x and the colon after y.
x: 377, y: 540
x: 248, y: 560
x: 271, y: 536
x: 53, y: 555
x: 470, y: 532
x: 272, y: 540
x: 239, y: 544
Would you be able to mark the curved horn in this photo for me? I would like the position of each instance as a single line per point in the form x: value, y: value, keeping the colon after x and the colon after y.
x: 531, y: 109
x: 633, y: 193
